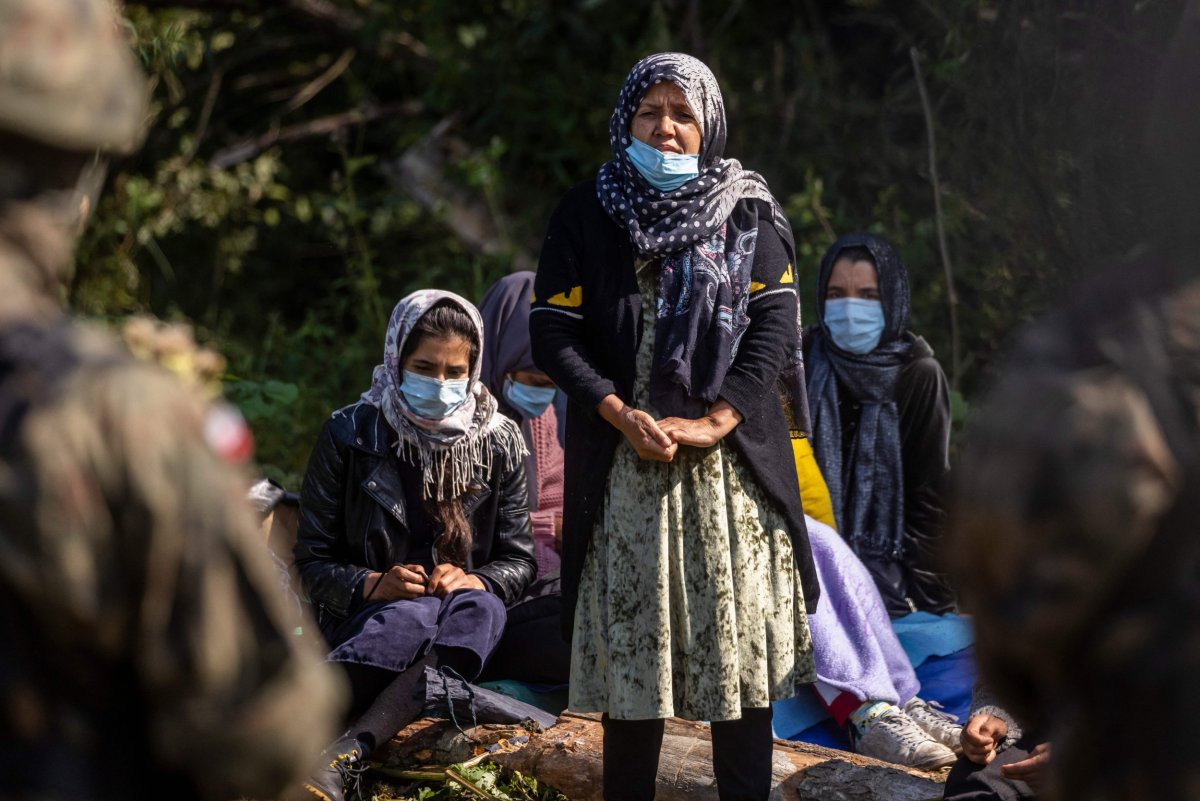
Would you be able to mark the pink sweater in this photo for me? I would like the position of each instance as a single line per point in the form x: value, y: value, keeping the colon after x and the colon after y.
x: 542, y: 434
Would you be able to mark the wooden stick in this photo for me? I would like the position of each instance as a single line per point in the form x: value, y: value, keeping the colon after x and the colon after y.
x: 951, y: 294
x: 249, y: 148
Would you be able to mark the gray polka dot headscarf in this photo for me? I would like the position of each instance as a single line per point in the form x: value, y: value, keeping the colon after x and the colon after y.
x: 661, y: 222
x: 706, y: 254
x: 700, y: 89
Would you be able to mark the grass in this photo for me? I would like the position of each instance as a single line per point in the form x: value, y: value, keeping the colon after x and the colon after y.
x: 462, y: 782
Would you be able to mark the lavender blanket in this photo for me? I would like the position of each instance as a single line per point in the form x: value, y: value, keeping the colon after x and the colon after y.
x: 855, y: 647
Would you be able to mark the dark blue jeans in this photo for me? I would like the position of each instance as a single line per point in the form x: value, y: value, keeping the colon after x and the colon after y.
x: 391, y: 635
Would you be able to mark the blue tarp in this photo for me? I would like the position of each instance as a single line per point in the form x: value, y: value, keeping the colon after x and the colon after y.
x: 939, y: 646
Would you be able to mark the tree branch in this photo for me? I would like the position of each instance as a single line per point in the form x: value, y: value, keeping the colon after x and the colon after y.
x: 319, y: 12
x: 249, y: 148
x: 951, y: 293
x: 314, y: 87
x: 199, y: 5
x: 421, y: 173
x: 210, y: 100
x: 327, y: 13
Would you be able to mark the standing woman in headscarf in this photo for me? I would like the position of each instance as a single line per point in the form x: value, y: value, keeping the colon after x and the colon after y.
x: 881, y: 422
x: 414, y: 525
x: 666, y: 309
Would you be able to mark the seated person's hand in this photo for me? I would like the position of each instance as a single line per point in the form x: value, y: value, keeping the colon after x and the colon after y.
x: 558, y: 533
x: 400, y: 582
x: 982, y: 736
x: 447, y: 578
x: 703, y: 432
x: 1032, y: 769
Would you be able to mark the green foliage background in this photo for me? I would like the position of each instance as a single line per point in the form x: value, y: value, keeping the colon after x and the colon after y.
x: 266, y: 209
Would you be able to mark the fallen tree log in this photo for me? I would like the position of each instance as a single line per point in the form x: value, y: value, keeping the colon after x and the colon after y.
x: 568, y: 756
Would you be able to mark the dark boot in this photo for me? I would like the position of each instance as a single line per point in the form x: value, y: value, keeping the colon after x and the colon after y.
x: 343, y: 764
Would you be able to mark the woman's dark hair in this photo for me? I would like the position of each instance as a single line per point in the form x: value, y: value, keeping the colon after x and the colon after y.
x: 856, y: 253
x: 444, y: 320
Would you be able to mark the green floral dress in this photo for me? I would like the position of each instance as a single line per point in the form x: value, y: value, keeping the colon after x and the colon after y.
x: 689, y: 602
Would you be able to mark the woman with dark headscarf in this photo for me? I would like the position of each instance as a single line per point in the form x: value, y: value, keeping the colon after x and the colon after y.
x: 881, y: 421
x: 414, y: 525
x: 666, y: 309
x: 526, y: 395
x: 532, y: 649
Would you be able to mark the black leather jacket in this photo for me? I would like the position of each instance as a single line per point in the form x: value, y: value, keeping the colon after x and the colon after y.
x: 352, y: 516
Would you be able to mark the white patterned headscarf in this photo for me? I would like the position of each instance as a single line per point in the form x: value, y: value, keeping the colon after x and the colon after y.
x: 707, y: 249
x: 447, y: 450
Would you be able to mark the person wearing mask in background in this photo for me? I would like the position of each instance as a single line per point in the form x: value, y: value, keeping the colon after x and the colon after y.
x: 532, y: 649
x: 666, y: 309
x: 881, y: 432
x: 145, y: 650
x: 526, y: 394
x: 414, y: 526
x: 881, y: 422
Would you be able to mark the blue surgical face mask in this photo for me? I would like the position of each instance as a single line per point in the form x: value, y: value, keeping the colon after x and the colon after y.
x: 664, y: 171
x: 854, y: 323
x: 431, y: 398
x: 529, y: 401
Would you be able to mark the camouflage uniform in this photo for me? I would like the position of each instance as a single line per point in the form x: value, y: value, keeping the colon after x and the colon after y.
x: 1075, y: 525
x: 144, y: 648
x: 1083, y: 594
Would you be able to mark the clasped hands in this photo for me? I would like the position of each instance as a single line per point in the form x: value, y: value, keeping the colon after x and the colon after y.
x: 657, y: 440
x: 402, y: 582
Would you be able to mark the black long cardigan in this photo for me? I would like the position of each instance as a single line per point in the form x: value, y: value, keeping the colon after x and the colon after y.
x: 586, y: 327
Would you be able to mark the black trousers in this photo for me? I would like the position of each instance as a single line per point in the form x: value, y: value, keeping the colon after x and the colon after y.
x: 742, y: 754
x: 532, y: 648
x: 971, y: 782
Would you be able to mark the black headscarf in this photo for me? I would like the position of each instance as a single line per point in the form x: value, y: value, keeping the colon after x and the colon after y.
x: 506, y: 347
x: 866, y: 484
x: 702, y: 231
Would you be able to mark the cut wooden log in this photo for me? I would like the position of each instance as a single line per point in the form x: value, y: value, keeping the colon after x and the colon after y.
x: 568, y: 756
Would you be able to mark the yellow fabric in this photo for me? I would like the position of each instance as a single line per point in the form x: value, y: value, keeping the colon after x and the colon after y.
x: 572, y: 299
x: 813, y: 491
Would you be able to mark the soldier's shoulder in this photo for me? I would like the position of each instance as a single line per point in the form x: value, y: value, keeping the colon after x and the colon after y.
x: 85, y: 376
x: 99, y: 355
x: 40, y: 357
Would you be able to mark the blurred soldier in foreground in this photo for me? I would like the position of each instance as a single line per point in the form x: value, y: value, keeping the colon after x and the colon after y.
x: 1078, y: 517
x: 143, y: 648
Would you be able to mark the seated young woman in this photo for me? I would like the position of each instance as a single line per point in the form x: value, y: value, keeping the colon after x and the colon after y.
x: 881, y: 422
x: 414, y: 527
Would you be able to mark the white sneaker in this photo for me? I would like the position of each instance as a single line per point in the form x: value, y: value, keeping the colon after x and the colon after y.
x: 940, y: 725
x: 895, y: 737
